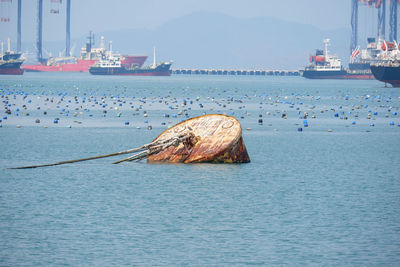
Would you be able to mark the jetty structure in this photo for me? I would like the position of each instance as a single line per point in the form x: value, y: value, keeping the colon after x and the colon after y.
x: 213, y: 138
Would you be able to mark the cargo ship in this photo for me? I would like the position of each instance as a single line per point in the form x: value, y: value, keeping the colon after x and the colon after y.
x: 387, y: 70
x: 360, y: 60
x: 111, y: 64
x: 10, y: 62
x: 88, y: 57
x: 326, y: 66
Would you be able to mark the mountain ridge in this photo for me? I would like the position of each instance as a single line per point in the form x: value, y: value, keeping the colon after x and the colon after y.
x: 215, y: 40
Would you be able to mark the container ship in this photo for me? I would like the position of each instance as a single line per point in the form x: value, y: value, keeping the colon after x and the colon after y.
x: 387, y: 70
x: 111, y: 64
x: 88, y: 57
x: 326, y: 66
x: 10, y: 62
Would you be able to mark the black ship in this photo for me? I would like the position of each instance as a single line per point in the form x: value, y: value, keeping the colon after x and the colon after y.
x: 387, y: 69
x: 324, y: 66
x: 387, y: 73
x: 10, y: 62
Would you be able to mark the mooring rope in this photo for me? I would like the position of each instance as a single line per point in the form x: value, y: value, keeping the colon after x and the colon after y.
x: 175, y: 141
x: 145, y: 151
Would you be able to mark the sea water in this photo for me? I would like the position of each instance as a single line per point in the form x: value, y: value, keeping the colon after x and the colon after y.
x: 322, y: 188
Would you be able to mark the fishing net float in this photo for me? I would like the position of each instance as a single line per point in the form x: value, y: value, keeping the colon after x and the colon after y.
x: 211, y: 138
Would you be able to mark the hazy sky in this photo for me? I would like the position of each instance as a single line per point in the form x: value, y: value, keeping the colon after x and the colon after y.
x: 103, y: 15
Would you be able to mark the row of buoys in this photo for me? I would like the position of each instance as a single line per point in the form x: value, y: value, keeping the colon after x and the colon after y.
x: 234, y: 105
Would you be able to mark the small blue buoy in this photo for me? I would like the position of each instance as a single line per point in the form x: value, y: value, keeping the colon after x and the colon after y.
x: 55, y: 121
x: 4, y: 117
x: 127, y: 123
x: 376, y: 113
x: 353, y: 122
x: 391, y: 123
x: 299, y: 129
x: 372, y: 125
x: 395, y: 113
x: 336, y: 115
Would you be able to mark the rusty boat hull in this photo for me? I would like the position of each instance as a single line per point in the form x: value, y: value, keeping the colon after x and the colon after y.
x: 218, y: 140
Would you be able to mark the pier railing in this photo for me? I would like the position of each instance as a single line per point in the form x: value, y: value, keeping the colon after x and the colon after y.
x: 236, y: 72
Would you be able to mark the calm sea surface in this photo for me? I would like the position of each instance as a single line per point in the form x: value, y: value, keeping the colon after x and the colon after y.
x: 326, y: 195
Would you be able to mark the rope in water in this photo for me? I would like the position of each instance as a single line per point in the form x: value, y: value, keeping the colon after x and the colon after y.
x: 145, y: 151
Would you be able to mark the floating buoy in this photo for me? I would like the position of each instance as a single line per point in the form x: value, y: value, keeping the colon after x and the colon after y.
x: 216, y: 138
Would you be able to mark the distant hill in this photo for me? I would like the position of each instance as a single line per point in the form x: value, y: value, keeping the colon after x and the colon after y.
x: 212, y: 40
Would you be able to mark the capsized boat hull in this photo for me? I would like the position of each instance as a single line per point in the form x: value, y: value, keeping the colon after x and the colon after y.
x: 218, y: 140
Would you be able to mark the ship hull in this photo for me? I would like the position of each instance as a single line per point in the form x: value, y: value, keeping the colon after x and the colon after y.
x: 357, y: 76
x: 83, y: 65
x: 387, y: 74
x: 314, y: 74
x: 161, y: 70
x: 340, y: 75
x: 11, y: 69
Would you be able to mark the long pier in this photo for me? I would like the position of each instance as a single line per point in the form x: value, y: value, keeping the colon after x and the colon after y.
x: 236, y: 72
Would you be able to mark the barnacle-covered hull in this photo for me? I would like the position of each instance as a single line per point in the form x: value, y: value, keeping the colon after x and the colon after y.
x: 217, y: 139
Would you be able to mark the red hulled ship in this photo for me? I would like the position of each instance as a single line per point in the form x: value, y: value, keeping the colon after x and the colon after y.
x: 88, y: 57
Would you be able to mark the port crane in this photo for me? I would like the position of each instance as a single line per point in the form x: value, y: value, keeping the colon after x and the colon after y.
x: 380, y: 5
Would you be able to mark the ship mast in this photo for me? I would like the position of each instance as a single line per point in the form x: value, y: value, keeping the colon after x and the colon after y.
x: 326, y: 43
x: 8, y: 44
x: 154, y: 57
